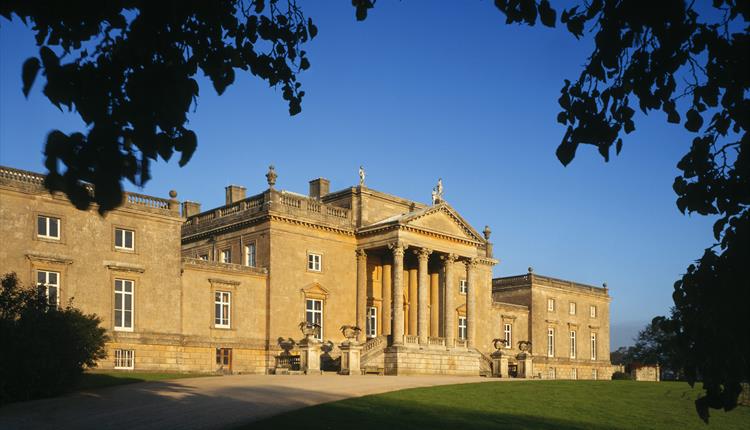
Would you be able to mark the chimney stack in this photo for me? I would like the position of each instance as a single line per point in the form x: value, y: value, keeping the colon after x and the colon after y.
x: 190, y: 208
x: 319, y: 187
x: 235, y: 193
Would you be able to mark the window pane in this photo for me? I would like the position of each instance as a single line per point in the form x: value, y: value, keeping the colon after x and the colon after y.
x: 118, y: 237
x: 128, y: 286
x: 118, y: 301
x: 309, y: 305
x: 318, y: 305
x: 52, y: 295
x: 118, y: 317
x: 128, y: 239
x: 118, y: 285
x: 41, y: 226
x: 41, y: 277
x: 52, y: 278
x: 53, y: 227
x: 129, y: 301
x: 128, y: 319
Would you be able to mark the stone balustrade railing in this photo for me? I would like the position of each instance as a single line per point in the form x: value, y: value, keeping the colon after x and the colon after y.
x: 440, y: 341
x: 410, y: 339
x: 144, y: 200
x: 528, y: 278
x: 23, y: 176
x: 281, y: 202
x: 131, y: 200
x: 189, y: 261
x: 374, y: 344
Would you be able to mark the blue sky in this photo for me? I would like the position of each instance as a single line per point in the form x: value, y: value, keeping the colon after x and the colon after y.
x: 421, y: 90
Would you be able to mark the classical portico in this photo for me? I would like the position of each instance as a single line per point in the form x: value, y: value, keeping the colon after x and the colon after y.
x: 419, y: 275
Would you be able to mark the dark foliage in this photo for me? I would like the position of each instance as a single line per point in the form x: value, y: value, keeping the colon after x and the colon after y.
x: 621, y: 376
x: 44, y: 349
x: 127, y: 68
x: 655, y: 344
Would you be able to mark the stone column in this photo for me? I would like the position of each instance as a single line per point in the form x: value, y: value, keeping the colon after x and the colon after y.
x: 413, y: 302
x: 450, y: 307
x: 471, y: 301
x: 387, y: 307
x: 361, y: 288
x: 310, y: 355
x: 434, y: 304
x: 398, y: 292
x: 423, y: 294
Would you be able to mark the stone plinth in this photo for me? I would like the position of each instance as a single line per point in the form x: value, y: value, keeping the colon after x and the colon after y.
x: 309, y: 361
x: 351, y: 351
x: 499, y: 364
x: 525, y: 366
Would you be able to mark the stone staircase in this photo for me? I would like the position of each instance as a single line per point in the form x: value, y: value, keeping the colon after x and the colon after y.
x: 373, y: 355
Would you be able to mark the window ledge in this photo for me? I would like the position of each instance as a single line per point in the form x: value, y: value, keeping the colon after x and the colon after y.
x: 116, y: 265
x: 49, y: 258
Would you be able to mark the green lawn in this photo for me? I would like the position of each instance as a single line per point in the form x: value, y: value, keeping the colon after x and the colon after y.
x: 94, y: 380
x: 525, y: 405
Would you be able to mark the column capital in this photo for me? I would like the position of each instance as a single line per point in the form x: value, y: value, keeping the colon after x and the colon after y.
x: 361, y: 253
x: 397, y: 248
x: 471, y: 262
x: 449, y: 258
x: 423, y: 253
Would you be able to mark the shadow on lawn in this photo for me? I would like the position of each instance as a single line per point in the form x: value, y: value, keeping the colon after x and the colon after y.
x: 99, y: 380
x: 380, y: 413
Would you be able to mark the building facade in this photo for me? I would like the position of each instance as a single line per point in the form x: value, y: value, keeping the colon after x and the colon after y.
x: 226, y: 289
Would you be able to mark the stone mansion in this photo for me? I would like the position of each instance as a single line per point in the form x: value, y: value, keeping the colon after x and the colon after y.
x: 180, y: 288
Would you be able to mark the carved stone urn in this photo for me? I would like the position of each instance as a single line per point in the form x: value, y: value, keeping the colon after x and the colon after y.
x: 351, y: 333
x: 309, y: 330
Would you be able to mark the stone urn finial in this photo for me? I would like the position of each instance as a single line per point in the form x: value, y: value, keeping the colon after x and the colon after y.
x: 604, y: 285
x: 271, y: 176
x: 499, y: 343
x: 173, y: 194
x: 350, y: 332
x: 309, y: 329
x: 487, y: 232
x: 524, y: 346
x: 531, y: 269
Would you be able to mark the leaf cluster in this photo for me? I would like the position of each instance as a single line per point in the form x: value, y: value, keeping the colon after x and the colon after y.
x: 128, y: 67
x: 44, y: 349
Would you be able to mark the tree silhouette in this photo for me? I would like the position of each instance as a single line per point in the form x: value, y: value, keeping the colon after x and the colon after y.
x: 127, y: 66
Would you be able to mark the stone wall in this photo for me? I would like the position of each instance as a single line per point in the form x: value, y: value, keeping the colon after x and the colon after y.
x: 403, y: 360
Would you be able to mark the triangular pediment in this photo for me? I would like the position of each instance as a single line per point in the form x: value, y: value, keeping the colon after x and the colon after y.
x: 442, y: 218
x: 315, y: 291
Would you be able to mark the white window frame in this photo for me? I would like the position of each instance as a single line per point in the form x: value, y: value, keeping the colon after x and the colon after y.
x: 462, y: 332
x: 508, y: 335
x: 592, y: 311
x: 121, y: 233
x: 314, y: 315
x: 594, y: 374
x: 203, y: 257
x: 250, y: 253
x: 120, y: 323
x: 573, y: 344
x: 48, y: 220
x: 314, y: 262
x: 574, y: 373
x: 551, y: 374
x: 550, y: 342
x: 550, y: 305
x: 223, y: 313
x: 572, y: 308
x: 47, y: 284
x: 594, y: 345
x: 463, y: 286
x: 226, y: 255
x: 372, y: 321
x: 125, y: 359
